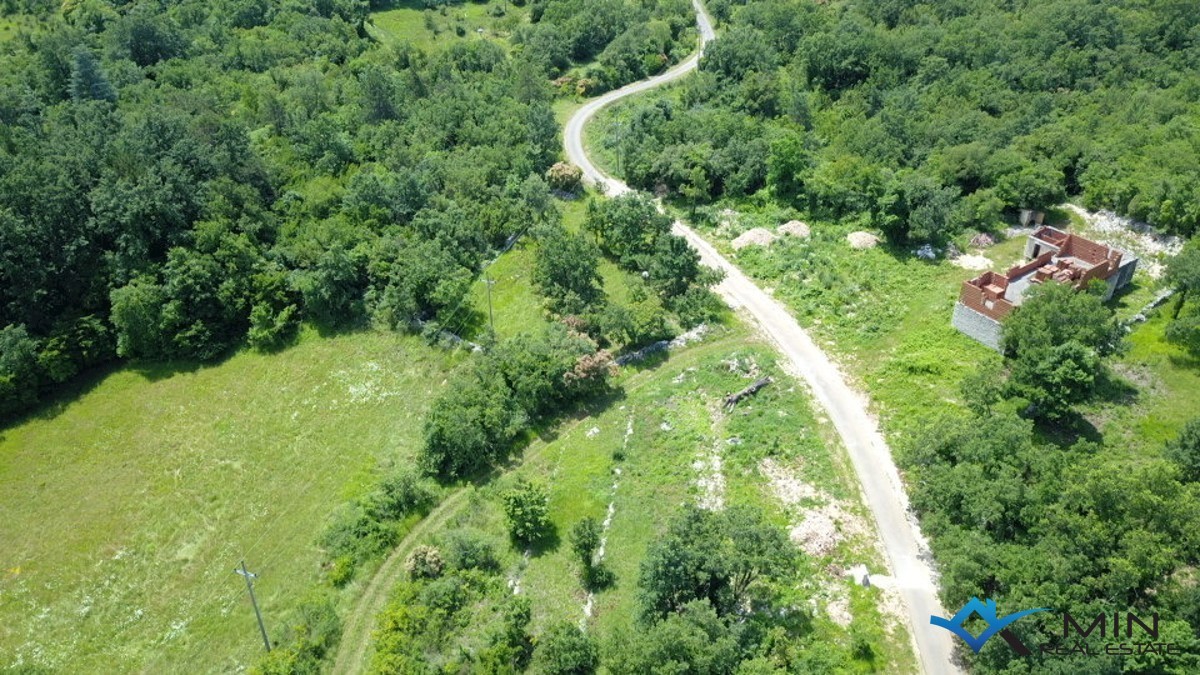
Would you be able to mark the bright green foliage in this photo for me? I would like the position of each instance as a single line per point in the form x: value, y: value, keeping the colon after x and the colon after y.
x: 1054, y: 314
x: 716, y: 557
x: 527, y: 507
x: 565, y: 650
x: 1185, y: 451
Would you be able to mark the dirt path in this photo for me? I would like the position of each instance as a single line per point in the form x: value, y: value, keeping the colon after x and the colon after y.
x: 356, y: 634
x: 883, y: 491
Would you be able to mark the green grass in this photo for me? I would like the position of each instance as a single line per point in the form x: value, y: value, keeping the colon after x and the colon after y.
x: 127, y: 505
x: 409, y: 21
x: 1167, y: 380
x: 516, y: 306
x: 672, y: 408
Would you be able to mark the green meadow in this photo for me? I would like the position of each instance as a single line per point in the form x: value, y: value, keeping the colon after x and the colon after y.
x: 128, y: 502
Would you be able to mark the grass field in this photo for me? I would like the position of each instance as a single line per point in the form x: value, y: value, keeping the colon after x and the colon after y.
x: 409, y: 21
x: 1167, y: 382
x: 127, y: 505
x: 646, y: 441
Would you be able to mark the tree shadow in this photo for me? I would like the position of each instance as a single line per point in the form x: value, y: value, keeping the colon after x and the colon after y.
x: 1068, y: 431
x: 1112, y: 388
x: 1187, y: 361
x: 547, y: 541
x: 55, y: 401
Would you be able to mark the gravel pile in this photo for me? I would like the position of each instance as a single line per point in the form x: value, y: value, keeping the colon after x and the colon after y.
x: 862, y: 240
x: 795, y: 228
x: 758, y: 236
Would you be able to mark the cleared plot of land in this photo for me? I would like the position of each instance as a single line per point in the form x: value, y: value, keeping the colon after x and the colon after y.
x: 126, y: 507
x: 409, y: 21
x: 648, y: 442
x: 886, y: 315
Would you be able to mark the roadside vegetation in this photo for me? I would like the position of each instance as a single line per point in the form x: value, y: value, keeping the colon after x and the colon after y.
x: 1057, y: 474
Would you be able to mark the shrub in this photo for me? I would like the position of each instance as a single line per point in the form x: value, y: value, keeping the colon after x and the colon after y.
x: 527, y: 507
x: 470, y: 549
x: 425, y: 562
x: 566, y: 650
x: 564, y: 177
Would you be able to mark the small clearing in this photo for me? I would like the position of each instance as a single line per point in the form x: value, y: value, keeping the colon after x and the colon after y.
x: 1127, y: 234
x: 972, y: 262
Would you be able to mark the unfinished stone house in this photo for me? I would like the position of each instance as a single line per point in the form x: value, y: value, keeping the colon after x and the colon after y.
x: 1052, y: 256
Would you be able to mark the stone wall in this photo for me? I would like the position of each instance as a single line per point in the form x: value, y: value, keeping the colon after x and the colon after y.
x: 976, y: 325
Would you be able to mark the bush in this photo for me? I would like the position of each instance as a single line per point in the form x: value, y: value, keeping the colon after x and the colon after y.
x: 310, y: 635
x: 467, y: 549
x: 565, y: 650
x: 356, y: 534
x: 425, y: 562
x: 564, y: 177
x: 401, y: 493
x: 527, y: 507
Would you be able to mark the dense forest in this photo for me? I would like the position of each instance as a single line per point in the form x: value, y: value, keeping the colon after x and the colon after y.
x: 926, y: 119
x: 179, y: 178
x: 929, y: 122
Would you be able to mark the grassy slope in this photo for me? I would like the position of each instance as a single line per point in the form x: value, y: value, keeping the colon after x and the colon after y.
x: 126, y: 507
x: 672, y: 406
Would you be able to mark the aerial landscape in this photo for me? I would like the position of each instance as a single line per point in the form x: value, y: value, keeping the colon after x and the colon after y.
x: 600, y: 336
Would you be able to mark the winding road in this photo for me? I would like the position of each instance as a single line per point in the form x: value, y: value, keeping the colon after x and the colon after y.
x: 870, y: 456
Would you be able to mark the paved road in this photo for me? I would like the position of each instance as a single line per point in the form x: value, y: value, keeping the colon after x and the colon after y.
x: 906, y: 551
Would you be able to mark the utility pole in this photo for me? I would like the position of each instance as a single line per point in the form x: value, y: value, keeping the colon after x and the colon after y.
x: 491, y: 317
x: 250, y: 587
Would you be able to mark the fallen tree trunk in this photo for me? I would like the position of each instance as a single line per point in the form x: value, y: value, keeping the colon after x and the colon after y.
x: 732, y: 400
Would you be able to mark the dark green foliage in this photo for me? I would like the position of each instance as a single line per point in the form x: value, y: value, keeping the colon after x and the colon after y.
x: 632, y: 231
x: 197, y: 176
x: 1183, y: 271
x: 1056, y: 378
x: 566, y: 272
x: 87, y: 79
x: 1185, y: 451
x: 356, y: 535
x: 527, y: 507
x: 565, y: 650
x: 472, y: 424
x: 488, y: 404
x: 585, y: 539
x: 931, y: 118
x: 468, y: 549
x: 18, y: 369
x: 714, y: 557
x: 693, y: 640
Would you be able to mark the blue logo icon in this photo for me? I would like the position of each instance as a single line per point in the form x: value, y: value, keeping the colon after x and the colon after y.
x: 996, y: 625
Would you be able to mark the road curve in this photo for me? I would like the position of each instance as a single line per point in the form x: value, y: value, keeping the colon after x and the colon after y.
x: 870, y: 456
